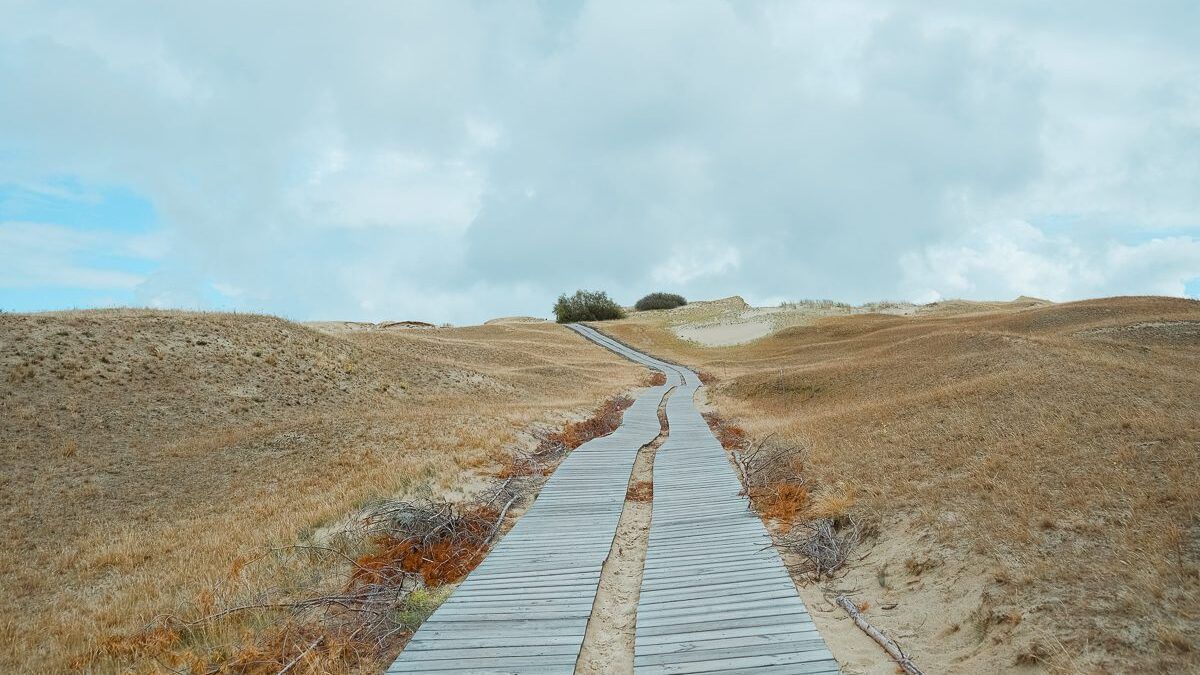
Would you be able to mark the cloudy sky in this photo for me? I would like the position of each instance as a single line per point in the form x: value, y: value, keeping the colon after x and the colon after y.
x: 458, y: 161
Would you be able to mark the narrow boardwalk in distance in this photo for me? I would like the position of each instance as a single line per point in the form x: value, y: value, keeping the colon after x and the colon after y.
x: 715, y: 597
x: 525, y: 608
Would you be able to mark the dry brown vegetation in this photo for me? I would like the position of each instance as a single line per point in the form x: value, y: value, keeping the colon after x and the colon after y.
x: 1032, y: 469
x: 149, y: 455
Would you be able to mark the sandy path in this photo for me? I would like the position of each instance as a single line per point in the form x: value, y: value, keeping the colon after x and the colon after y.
x: 609, y: 641
x: 715, y: 596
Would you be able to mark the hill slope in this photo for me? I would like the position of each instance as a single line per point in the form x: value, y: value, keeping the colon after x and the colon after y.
x: 145, y: 451
x: 1031, y: 467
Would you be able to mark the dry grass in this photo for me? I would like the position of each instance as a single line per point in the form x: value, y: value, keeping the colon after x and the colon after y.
x: 146, y: 452
x: 1054, y: 449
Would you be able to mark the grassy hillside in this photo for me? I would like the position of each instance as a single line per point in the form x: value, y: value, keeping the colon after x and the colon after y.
x: 1031, y: 469
x: 145, y: 452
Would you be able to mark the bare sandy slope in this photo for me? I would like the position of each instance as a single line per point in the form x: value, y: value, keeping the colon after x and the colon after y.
x: 731, y: 321
x: 1030, y: 469
x: 144, y: 451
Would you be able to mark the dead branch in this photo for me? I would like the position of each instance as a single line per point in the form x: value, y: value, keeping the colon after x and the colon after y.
x: 823, y: 546
x: 301, y: 655
x: 500, y: 519
x: 755, y: 448
x: 884, y: 641
x: 742, y: 474
x: 234, y: 610
x: 315, y: 547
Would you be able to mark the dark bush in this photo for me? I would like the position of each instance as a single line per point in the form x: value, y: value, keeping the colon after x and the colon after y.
x: 660, y: 301
x: 586, y: 306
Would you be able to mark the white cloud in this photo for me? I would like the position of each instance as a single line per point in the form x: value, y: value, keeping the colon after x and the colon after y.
x: 389, y: 190
x: 38, y: 255
x: 696, y: 261
x: 362, y: 161
x: 1004, y: 260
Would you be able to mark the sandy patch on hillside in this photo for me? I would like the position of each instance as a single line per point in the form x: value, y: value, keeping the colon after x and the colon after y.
x: 940, y: 605
x: 732, y: 321
x: 725, y: 334
x: 515, y: 319
x: 339, y: 327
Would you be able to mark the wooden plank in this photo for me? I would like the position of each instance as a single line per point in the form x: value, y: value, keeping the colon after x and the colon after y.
x: 446, y: 653
x: 689, y: 652
x: 426, y: 643
x: 651, y: 641
x: 765, y: 622
x: 791, y: 664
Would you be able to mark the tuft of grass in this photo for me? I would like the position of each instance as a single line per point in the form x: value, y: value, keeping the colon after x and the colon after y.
x: 780, y: 502
x: 420, y: 604
x: 834, y: 506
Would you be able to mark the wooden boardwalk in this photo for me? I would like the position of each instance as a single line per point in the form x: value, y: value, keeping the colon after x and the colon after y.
x: 525, y: 608
x: 715, y: 597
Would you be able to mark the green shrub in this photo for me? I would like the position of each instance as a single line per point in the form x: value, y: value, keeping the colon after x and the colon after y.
x: 660, y: 301
x: 586, y: 306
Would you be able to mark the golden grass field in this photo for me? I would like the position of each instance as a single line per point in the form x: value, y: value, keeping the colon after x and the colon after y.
x: 145, y: 452
x: 1032, y: 469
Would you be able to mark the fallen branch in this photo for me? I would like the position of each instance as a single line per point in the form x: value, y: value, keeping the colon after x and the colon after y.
x: 500, y: 519
x: 884, y: 641
x: 290, y: 606
x: 301, y: 655
x: 742, y: 473
x: 823, y: 547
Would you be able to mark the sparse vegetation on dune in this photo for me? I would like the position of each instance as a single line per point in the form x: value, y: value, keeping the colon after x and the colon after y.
x: 1030, y: 469
x: 586, y: 306
x: 147, y: 453
x: 660, y: 301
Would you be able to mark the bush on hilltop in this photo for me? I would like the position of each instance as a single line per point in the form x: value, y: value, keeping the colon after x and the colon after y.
x: 660, y: 301
x: 586, y: 306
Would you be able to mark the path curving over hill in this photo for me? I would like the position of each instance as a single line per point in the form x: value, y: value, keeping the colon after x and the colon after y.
x: 715, y: 596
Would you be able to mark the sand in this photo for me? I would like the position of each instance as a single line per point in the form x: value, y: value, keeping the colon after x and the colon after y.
x: 724, y: 334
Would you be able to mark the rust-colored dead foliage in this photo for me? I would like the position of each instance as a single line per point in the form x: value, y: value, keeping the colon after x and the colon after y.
x: 606, y: 419
x: 553, y: 447
x: 731, y: 436
x: 780, y: 502
x: 641, y: 491
x: 444, y: 558
x: 657, y: 379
